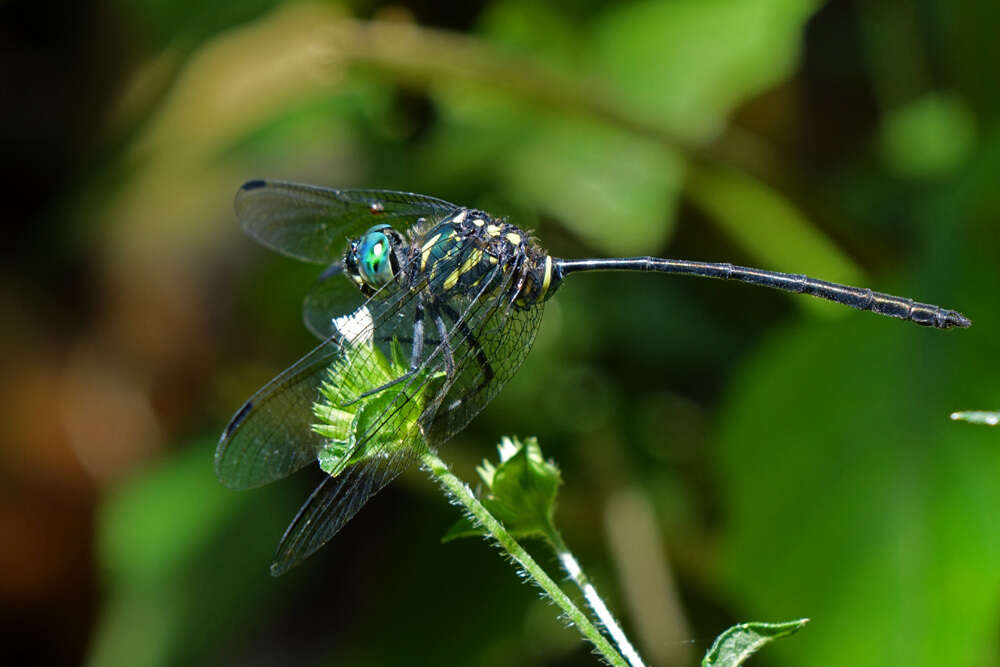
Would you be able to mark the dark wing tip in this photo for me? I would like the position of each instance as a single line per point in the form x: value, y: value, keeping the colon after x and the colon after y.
x: 237, y: 419
x: 255, y: 184
x: 220, y: 452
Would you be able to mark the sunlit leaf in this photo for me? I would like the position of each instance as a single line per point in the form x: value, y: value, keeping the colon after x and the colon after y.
x: 616, y: 190
x: 850, y: 495
x: 734, y: 646
x: 520, y: 490
x: 685, y: 65
x: 928, y: 138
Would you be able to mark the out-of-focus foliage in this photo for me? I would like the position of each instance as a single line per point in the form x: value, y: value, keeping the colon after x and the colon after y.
x: 726, y: 452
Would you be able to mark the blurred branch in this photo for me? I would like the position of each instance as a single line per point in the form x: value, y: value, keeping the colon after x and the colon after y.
x: 424, y: 55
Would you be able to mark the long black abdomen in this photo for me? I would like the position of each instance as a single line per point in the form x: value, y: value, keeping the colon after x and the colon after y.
x: 862, y: 298
x: 924, y: 314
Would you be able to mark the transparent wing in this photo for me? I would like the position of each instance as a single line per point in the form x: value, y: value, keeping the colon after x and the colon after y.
x: 332, y: 295
x: 312, y: 223
x: 474, y: 341
x: 490, y: 339
x: 271, y: 436
x: 487, y: 340
x: 331, y: 505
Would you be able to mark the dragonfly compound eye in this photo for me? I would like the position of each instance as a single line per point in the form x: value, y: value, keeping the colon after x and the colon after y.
x: 374, y: 254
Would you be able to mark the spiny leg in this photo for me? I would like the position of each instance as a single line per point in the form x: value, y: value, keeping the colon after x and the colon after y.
x: 449, y: 360
x: 477, y: 350
x: 418, y: 334
x: 415, y: 356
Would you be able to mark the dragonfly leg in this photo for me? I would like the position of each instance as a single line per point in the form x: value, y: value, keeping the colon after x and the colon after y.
x: 449, y: 360
x: 418, y: 334
x: 477, y: 349
x: 416, y: 355
x: 371, y: 392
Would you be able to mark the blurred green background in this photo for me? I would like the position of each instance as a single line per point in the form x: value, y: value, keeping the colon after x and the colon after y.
x: 729, y: 453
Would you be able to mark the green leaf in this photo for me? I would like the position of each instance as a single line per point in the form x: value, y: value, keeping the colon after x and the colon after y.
x: 735, y: 645
x: 662, y: 64
x: 564, y: 172
x: 686, y: 64
x: 341, y: 415
x: 154, y: 522
x: 520, y: 491
x: 545, y: 32
x: 928, y: 138
x: 464, y: 527
x: 847, y: 493
x: 179, y: 558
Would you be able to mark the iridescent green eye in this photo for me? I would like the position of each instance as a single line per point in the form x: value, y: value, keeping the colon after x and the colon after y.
x: 374, y: 260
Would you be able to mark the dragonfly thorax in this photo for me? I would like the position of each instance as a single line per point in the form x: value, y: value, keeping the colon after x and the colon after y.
x: 473, y: 253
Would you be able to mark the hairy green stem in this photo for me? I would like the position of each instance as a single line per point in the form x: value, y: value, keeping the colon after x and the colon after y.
x: 461, y: 492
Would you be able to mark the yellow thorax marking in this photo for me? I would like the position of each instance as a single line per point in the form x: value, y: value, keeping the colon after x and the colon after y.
x: 514, y: 238
x: 425, y: 252
x: 471, y: 261
x: 493, y: 230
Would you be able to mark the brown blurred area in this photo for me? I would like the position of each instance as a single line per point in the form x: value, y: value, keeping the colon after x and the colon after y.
x: 101, y: 359
x: 109, y: 327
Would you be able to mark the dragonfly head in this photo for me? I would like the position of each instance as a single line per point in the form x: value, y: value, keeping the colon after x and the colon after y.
x: 373, y: 260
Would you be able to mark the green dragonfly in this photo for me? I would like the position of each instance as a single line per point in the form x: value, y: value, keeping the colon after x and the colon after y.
x: 425, y: 310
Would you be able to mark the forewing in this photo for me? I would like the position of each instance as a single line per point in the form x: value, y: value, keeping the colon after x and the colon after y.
x: 271, y: 436
x: 312, y: 223
x: 332, y: 295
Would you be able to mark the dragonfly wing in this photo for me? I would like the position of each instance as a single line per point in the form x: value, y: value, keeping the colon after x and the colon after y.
x: 332, y: 504
x: 488, y: 338
x: 271, y: 436
x: 313, y: 223
x: 332, y: 294
x: 464, y: 342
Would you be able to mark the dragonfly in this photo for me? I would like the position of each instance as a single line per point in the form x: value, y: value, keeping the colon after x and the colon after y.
x: 454, y: 296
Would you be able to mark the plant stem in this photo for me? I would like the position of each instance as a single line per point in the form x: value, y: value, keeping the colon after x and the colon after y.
x: 576, y: 573
x: 461, y: 492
